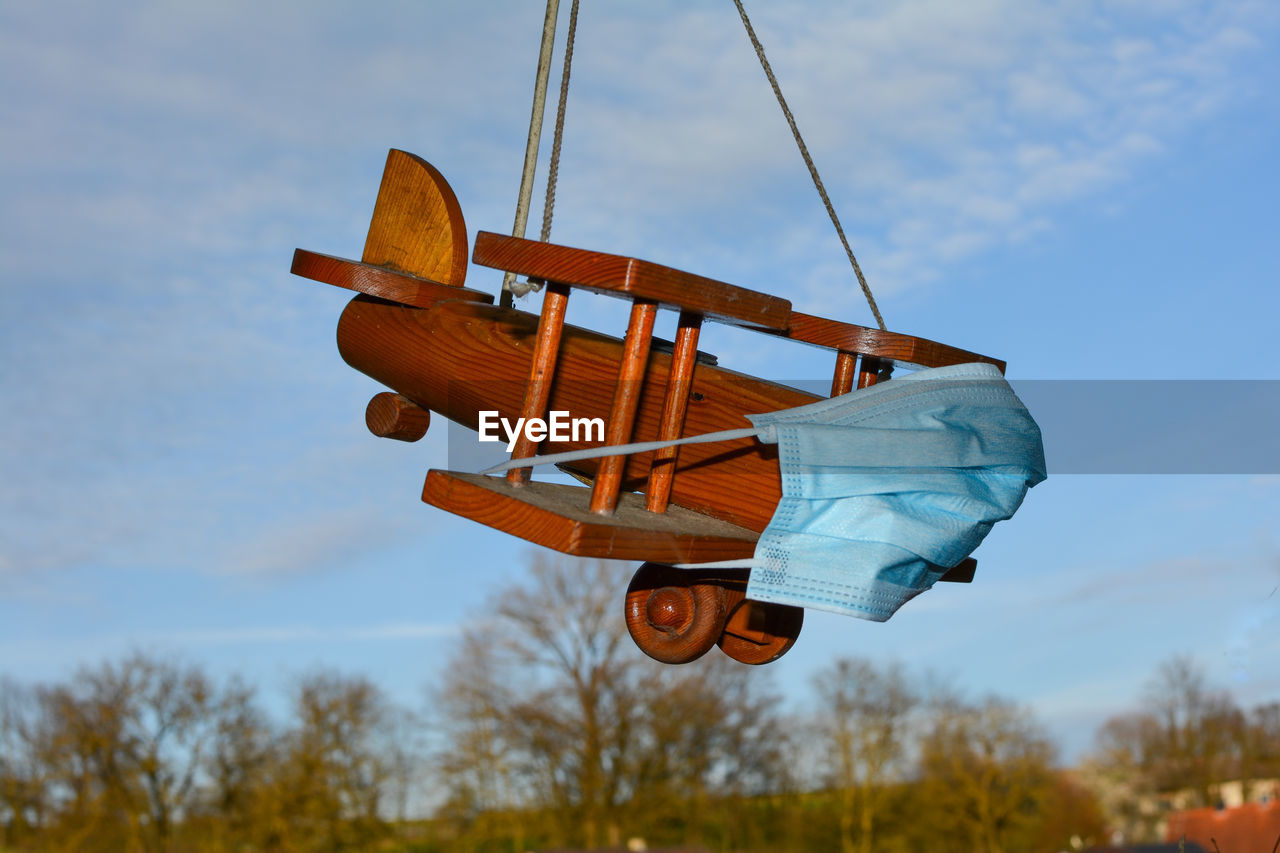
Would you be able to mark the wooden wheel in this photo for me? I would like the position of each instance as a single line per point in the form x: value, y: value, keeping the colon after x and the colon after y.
x: 671, y: 619
x: 757, y: 632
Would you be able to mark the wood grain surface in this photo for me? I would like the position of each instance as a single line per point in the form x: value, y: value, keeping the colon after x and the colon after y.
x: 542, y: 368
x: 389, y: 415
x: 622, y: 276
x: 458, y: 358
x: 417, y: 225
x: 556, y: 515
x: 905, y: 349
x: 846, y: 372
x: 674, y: 406
x: 378, y: 281
x: 673, y: 616
x: 626, y: 397
x: 442, y: 348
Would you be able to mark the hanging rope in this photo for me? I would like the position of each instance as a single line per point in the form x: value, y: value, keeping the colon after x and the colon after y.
x: 808, y: 161
x: 554, y: 171
x: 509, y: 284
x: 531, y: 145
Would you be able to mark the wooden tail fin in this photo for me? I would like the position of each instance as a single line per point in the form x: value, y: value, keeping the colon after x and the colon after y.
x: 417, y: 224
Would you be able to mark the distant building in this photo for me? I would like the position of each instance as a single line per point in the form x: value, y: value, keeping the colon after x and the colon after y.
x: 1135, y: 814
x: 1248, y: 827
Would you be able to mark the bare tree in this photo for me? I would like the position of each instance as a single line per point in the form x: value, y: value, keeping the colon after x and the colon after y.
x: 550, y: 706
x: 1189, y: 737
x: 168, y: 730
x: 1263, y: 741
x: 551, y: 692
x: 863, y: 720
x: 24, y: 798
x: 1193, y: 738
x: 241, y: 761
x: 149, y: 755
x: 710, y: 738
x: 340, y: 762
x: 985, y: 769
x: 1122, y: 775
x: 487, y: 789
x: 123, y: 747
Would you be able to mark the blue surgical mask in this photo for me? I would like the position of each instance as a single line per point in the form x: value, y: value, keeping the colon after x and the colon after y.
x: 883, y: 489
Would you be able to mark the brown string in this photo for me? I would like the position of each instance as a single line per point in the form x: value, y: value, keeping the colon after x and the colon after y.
x: 808, y: 161
x: 520, y: 288
x: 554, y: 170
x: 509, y: 283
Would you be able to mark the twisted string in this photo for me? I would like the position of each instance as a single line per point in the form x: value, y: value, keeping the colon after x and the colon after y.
x: 520, y: 288
x: 509, y: 285
x: 553, y: 171
x: 808, y: 161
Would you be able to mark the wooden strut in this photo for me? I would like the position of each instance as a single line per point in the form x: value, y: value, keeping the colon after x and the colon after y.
x: 444, y: 348
x: 871, y: 370
x: 626, y: 397
x: 541, y: 371
x: 846, y: 371
x: 674, y: 408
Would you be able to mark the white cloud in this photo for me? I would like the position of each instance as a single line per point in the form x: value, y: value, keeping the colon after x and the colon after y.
x: 258, y: 635
x: 314, y: 542
x: 161, y: 161
x: 912, y: 113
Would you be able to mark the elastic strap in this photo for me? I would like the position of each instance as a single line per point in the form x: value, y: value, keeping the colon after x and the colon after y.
x: 621, y: 449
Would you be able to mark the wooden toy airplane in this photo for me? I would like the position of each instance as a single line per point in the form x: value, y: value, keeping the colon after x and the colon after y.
x: 442, y: 347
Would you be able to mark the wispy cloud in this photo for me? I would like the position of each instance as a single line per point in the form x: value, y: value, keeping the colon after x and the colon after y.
x: 64, y: 652
x: 160, y: 162
x: 257, y: 635
x: 316, y: 541
x: 942, y: 130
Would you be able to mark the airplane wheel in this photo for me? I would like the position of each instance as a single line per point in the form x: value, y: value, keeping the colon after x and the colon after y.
x: 671, y: 619
x: 758, y: 632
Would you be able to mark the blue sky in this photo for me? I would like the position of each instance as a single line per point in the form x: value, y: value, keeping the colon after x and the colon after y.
x: 1086, y: 190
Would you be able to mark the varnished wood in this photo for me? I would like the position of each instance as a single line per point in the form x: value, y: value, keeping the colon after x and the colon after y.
x: 378, y: 281
x: 906, y: 349
x: 846, y: 372
x: 417, y: 225
x: 458, y: 358
x: 869, y: 370
x: 442, y: 348
x: 759, y: 632
x: 676, y: 615
x: 478, y: 351
x: 674, y: 406
x: 556, y: 516
x: 542, y: 368
x: 626, y: 397
x: 671, y: 617
x: 622, y: 276
x: 673, y: 288
x: 390, y: 415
